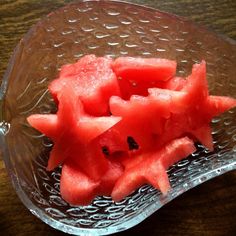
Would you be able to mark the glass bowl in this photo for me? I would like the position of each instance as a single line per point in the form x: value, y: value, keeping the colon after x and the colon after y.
x: 115, y: 29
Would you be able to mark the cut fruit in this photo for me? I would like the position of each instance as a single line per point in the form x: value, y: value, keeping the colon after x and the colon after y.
x: 151, y: 168
x: 93, y: 82
x: 122, y: 123
x: 115, y: 170
x: 136, y: 75
x: 75, y: 187
x: 175, y: 83
x: 90, y: 159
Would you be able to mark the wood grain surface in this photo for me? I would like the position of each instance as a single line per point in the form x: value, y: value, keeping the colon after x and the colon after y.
x: 209, y: 209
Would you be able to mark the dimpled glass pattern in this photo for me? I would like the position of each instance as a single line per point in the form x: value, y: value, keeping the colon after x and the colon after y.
x: 115, y: 29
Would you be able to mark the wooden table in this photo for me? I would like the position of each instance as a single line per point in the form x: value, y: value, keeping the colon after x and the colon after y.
x: 209, y: 209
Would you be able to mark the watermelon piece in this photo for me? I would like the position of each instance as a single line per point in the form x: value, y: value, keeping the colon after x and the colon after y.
x: 152, y: 167
x: 203, y: 135
x: 136, y: 75
x: 128, y: 159
x: 46, y: 124
x: 113, y: 141
x: 70, y: 123
x: 134, y: 122
x: 149, y: 69
x: 196, y: 85
x: 143, y: 126
x: 216, y: 105
x: 91, y: 127
x: 121, y: 157
x: 175, y: 83
x: 90, y: 159
x: 93, y: 82
x: 121, y: 124
x: 175, y: 100
x: 76, y: 188
x: 199, y: 111
x: 67, y: 121
x: 108, y: 180
x: 75, y: 68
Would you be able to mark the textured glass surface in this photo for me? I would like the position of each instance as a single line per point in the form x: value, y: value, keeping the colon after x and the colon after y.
x: 115, y: 29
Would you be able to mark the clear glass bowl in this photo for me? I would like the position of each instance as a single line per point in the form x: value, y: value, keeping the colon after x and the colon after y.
x: 115, y: 29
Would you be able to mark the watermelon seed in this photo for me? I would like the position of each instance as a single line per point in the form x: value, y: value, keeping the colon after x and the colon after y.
x: 105, y: 150
x: 132, y: 143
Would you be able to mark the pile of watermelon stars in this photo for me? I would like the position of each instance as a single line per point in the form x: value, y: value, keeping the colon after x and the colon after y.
x: 122, y: 123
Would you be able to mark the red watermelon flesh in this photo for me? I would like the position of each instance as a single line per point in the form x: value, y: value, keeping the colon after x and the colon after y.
x: 67, y: 116
x: 195, y: 120
x: 175, y: 100
x: 203, y: 135
x: 136, y: 75
x: 46, y: 124
x: 154, y: 112
x: 135, y: 123
x: 143, y: 126
x: 76, y: 187
x: 79, y: 189
x: 90, y: 159
x: 75, y: 68
x: 92, y: 80
x: 196, y: 85
x: 175, y: 83
x: 149, y: 69
x: 152, y: 168
x: 108, y: 180
x: 91, y: 127
x: 216, y: 105
x: 130, y: 158
x: 189, y: 123
x: 113, y: 141
x: 70, y: 127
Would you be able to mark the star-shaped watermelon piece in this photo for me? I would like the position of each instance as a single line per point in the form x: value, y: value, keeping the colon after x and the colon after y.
x: 70, y: 127
x: 201, y: 108
x: 151, y: 169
